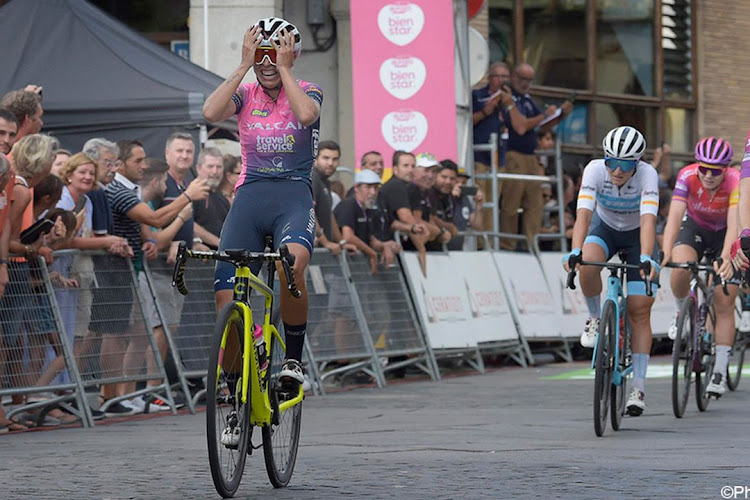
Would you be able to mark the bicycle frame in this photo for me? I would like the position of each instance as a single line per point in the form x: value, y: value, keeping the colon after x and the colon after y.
x: 261, y: 408
x: 615, y: 295
x: 698, y: 284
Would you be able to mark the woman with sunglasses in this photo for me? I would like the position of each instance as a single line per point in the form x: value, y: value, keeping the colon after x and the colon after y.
x: 617, y: 207
x: 709, y: 192
x: 278, y: 119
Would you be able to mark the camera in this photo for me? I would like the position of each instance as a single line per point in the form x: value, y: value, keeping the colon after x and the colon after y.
x: 469, y: 190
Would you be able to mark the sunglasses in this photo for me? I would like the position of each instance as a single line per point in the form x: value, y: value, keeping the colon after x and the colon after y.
x: 709, y: 169
x: 624, y: 165
x: 262, y: 52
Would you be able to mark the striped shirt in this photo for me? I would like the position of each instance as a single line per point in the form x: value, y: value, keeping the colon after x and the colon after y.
x: 122, y: 196
x: 621, y: 207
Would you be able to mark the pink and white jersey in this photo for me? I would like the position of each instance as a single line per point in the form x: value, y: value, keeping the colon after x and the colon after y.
x: 274, y: 144
x: 745, y: 172
x: 708, y: 211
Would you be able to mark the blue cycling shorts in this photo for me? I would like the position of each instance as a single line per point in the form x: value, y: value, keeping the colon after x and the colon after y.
x: 282, y: 209
x: 614, y: 241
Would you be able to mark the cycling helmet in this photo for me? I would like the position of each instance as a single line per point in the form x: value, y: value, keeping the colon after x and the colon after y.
x: 624, y: 143
x: 714, y: 150
x: 272, y: 26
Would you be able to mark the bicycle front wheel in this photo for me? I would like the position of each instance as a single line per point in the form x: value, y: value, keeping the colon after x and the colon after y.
x: 603, y: 366
x: 707, y: 358
x: 736, y: 360
x: 682, y: 357
x: 227, y: 417
x: 281, y: 438
x: 620, y: 392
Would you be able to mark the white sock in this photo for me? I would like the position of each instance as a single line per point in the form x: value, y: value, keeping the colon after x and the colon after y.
x: 722, y: 359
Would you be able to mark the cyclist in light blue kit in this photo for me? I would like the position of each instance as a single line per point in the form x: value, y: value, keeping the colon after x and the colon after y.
x: 278, y: 121
x: 617, y: 207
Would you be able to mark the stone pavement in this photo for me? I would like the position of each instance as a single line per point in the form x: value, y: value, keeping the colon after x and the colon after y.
x: 509, y: 433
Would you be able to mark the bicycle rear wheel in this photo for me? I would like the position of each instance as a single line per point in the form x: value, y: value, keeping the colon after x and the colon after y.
x: 682, y: 357
x: 227, y: 418
x: 736, y: 360
x: 703, y: 377
x: 620, y: 392
x: 281, y: 438
x: 603, y: 366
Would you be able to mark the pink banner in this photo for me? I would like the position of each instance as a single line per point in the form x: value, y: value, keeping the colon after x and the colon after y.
x: 403, y: 77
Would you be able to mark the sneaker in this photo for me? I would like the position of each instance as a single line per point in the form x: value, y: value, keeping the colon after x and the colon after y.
x: 636, y: 403
x: 119, y: 409
x: 97, y: 414
x: 588, y: 337
x: 672, y: 332
x: 291, y: 372
x: 151, y: 404
x: 230, y: 436
x: 745, y: 322
x: 718, y: 386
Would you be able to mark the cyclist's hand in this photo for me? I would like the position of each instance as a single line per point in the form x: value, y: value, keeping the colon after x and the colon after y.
x: 726, y: 269
x: 253, y: 37
x: 572, y: 260
x: 284, y: 50
x: 667, y: 258
x: 647, y: 261
x: 739, y: 259
x: 198, y: 190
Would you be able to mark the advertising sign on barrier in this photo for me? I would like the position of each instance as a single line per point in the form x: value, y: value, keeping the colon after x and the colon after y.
x: 441, y: 301
x: 491, y: 317
x: 402, y: 77
x: 528, y: 292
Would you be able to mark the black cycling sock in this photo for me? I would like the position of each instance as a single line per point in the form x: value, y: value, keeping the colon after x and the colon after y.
x: 295, y: 340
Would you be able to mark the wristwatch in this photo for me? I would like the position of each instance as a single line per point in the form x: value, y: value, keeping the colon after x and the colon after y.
x: 342, y: 243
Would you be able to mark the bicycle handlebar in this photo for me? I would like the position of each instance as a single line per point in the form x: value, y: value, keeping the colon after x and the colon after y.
x: 238, y: 258
x: 696, y: 267
x: 612, y: 266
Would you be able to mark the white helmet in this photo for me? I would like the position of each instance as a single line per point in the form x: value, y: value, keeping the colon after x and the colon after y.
x: 624, y: 143
x: 271, y: 27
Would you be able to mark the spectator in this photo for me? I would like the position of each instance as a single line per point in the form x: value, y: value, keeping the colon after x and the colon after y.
x: 27, y: 107
x: 328, y: 233
x: 232, y: 172
x: 8, y: 130
x: 61, y: 158
x: 524, y: 116
x: 7, y: 177
x: 468, y: 210
x: 107, y: 157
x: 210, y: 213
x: 337, y: 193
x: 33, y: 157
x: 130, y: 212
x: 546, y: 142
x: 77, y: 304
x: 394, y: 200
x: 372, y: 160
x: 354, y: 216
x: 444, y: 206
x: 153, y: 186
x: 422, y: 201
x: 662, y: 162
x: 46, y: 195
x: 487, y: 119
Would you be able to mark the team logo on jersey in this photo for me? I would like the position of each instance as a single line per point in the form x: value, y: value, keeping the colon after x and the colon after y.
x: 260, y: 112
x: 275, y: 144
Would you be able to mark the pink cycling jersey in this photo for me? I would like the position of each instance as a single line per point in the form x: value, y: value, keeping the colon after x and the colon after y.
x: 275, y: 145
x: 745, y: 172
x: 708, y: 211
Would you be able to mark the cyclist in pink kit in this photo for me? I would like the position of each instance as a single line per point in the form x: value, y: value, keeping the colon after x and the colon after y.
x: 278, y: 119
x: 708, y: 191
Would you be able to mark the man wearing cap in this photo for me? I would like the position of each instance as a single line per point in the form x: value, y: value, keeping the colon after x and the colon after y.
x: 355, y: 217
x: 372, y: 160
x: 394, y: 200
x: 422, y: 201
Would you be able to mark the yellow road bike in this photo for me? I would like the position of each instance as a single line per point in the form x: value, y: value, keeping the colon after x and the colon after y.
x: 243, y: 386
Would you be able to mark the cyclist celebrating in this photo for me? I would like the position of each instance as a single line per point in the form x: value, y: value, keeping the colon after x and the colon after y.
x: 278, y: 119
x: 709, y: 192
x: 617, y: 207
